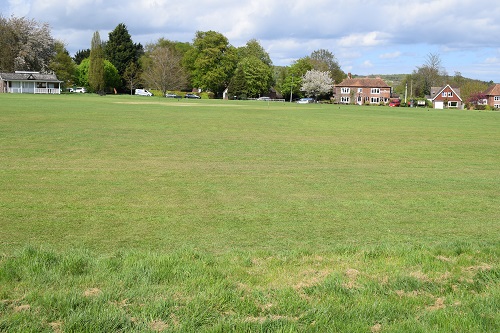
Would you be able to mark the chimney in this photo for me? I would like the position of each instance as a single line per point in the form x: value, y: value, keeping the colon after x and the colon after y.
x: 349, y: 75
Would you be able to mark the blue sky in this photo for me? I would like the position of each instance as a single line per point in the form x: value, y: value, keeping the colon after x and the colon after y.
x: 367, y: 37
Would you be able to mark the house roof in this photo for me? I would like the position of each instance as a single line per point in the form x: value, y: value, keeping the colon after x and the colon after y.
x: 436, y: 92
x: 28, y: 76
x: 493, y: 90
x: 364, y: 82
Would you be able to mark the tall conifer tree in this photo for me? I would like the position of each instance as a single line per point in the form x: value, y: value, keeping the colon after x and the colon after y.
x: 96, y: 68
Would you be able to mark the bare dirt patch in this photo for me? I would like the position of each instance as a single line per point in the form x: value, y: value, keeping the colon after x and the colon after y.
x: 352, y: 275
x: 20, y: 308
x: 438, y: 304
x: 56, y: 326
x: 92, y: 292
x: 311, y: 278
x: 158, y: 325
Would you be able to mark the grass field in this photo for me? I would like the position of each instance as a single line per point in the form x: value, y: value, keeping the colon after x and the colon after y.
x: 136, y: 214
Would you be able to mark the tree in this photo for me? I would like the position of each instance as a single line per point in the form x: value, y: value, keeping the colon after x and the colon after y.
x: 476, y: 99
x: 254, y: 49
x: 431, y: 74
x: 324, y: 60
x: 80, y: 55
x: 121, y: 50
x: 471, y: 89
x: 293, y: 79
x: 163, y: 69
x: 316, y: 83
x: 251, y: 79
x: 110, y: 75
x: 211, y: 61
x: 96, y: 66
x: 132, y: 76
x: 62, y: 64
x: 25, y: 44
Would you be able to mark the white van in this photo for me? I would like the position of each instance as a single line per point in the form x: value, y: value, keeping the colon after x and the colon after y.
x: 143, y: 92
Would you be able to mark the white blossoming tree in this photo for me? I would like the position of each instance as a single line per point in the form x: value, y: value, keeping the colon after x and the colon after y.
x: 315, y: 83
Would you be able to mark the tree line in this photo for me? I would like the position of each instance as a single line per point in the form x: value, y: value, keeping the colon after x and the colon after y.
x: 209, y: 63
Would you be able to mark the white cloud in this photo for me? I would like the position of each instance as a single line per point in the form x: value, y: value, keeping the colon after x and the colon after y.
x: 492, y: 60
x: 369, y: 39
x: 351, y: 29
x: 391, y: 55
x: 367, y: 64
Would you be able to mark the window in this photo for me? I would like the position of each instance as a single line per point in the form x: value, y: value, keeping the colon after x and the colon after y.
x: 344, y: 100
x: 497, y: 98
x: 360, y: 90
x: 345, y: 90
x: 497, y: 106
x: 452, y: 104
x: 444, y: 94
x: 375, y: 100
x: 450, y: 94
x: 375, y: 91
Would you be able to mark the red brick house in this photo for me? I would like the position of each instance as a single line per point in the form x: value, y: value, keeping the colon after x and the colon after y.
x: 446, y: 97
x: 362, y: 91
x: 493, y: 96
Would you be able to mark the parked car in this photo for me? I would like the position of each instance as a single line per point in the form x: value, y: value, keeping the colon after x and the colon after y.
x: 143, y: 92
x: 305, y: 100
x: 192, y: 96
x: 395, y: 103
x: 80, y: 90
x: 264, y: 98
x: 167, y: 95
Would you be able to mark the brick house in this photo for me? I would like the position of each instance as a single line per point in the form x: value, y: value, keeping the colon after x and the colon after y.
x: 445, y: 97
x: 362, y: 91
x: 492, y: 95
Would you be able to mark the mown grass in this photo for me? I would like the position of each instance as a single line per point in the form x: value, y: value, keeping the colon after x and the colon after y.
x: 122, y: 213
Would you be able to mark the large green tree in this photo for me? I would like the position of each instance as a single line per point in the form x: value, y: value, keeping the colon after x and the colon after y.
x: 63, y: 65
x: 110, y: 75
x: 211, y: 61
x: 96, y: 66
x: 293, y: 77
x: 253, y: 49
x: 80, y: 55
x: 252, y: 78
x: 121, y: 50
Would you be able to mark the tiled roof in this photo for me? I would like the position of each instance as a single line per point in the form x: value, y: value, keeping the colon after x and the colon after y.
x: 364, y: 82
x: 436, y: 91
x: 28, y: 76
x: 494, y: 90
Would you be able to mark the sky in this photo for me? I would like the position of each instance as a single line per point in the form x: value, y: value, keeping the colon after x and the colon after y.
x: 366, y: 36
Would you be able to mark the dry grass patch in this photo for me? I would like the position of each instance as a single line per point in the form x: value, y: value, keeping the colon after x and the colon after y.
x: 92, y: 292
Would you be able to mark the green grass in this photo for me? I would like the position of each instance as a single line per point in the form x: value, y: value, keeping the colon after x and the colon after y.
x: 126, y: 213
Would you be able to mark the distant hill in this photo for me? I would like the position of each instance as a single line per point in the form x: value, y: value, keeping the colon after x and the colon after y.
x: 393, y: 80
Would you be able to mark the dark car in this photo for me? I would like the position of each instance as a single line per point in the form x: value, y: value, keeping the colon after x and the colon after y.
x: 192, y: 96
x: 172, y: 96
